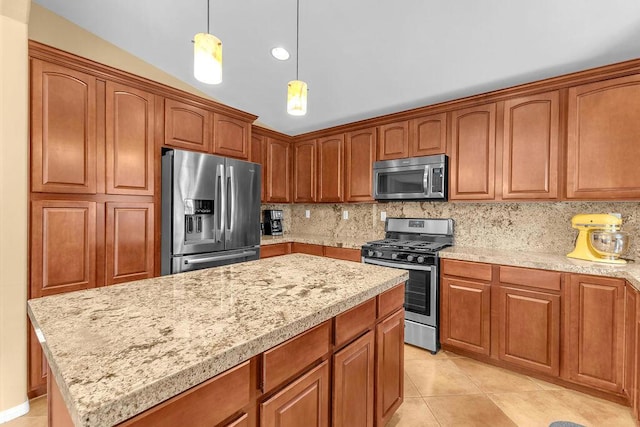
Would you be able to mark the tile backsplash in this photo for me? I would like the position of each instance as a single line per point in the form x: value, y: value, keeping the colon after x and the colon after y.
x: 528, y: 226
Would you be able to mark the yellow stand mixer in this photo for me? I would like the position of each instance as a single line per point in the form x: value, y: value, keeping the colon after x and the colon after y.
x: 599, y: 238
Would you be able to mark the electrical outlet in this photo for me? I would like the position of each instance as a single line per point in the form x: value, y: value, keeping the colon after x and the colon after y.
x: 383, y: 216
x: 345, y: 214
x: 307, y: 213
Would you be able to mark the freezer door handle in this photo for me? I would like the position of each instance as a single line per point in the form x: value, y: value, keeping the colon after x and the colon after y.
x: 231, y: 202
x: 220, y: 204
x: 219, y: 258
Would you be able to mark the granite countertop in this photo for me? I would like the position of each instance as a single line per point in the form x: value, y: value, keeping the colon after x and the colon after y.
x: 314, y: 239
x: 630, y: 271
x: 117, y: 351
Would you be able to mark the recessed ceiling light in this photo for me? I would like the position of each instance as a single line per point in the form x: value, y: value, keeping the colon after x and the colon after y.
x: 280, y: 53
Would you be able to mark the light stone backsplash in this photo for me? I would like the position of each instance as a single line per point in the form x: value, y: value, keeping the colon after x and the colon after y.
x: 526, y: 226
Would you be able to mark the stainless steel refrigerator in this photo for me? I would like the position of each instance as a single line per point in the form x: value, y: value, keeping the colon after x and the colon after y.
x: 210, y: 211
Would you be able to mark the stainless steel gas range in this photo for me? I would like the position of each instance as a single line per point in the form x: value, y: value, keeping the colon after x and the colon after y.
x: 412, y: 244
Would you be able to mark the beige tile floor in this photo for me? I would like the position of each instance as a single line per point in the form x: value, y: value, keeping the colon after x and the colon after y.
x: 450, y: 390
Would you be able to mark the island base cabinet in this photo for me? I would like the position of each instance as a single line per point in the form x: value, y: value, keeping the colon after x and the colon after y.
x: 389, y: 366
x: 353, y: 376
x: 305, y: 399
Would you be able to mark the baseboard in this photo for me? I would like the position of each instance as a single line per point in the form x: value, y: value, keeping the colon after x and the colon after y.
x: 15, y: 412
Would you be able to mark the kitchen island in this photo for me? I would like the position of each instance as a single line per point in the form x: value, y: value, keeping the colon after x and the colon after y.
x: 115, y: 352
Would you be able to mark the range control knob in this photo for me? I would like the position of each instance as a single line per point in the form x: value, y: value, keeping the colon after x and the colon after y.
x: 394, y: 256
x: 378, y: 253
x: 410, y: 258
x: 370, y: 253
x: 420, y: 259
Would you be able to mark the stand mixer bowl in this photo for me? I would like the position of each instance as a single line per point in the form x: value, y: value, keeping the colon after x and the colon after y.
x: 609, y: 244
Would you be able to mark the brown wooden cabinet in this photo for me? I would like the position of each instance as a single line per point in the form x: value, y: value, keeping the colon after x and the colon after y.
x: 129, y: 241
x: 353, y: 378
x: 63, y: 129
x: 187, y: 126
x: 389, y: 382
x: 258, y: 155
x: 393, y: 141
x: 473, y: 145
x: 630, y: 332
x: 130, y: 140
x: 331, y: 168
x: 428, y: 135
x: 231, y: 136
x: 305, y: 399
x: 277, y: 249
x: 359, y: 155
x: 595, y: 344
x: 278, y: 171
x: 304, y: 171
x: 531, y: 149
x: 602, y: 146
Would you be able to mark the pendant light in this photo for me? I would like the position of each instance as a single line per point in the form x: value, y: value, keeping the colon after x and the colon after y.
x: 297, y: 89
x: 207, y: 56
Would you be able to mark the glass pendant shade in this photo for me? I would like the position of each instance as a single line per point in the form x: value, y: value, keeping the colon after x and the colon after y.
x: 297, y: 98
x: 207, y: 58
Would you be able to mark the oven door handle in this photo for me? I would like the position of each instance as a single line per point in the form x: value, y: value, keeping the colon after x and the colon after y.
x: 396, y: 265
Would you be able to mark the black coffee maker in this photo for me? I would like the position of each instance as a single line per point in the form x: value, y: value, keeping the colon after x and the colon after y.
x: 272, y: 222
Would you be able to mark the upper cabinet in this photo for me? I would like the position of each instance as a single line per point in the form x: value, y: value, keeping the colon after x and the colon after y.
x: 231, y: 136
x: 278, y: 171
x: 473, y: 143
x: 186, y: 126
x: 129, y: 140
x: 258, y: 154
x: 530, y: 148
x: 63, y: 129
x: 330, y: 168
x: 428, y: 135
x: 359, y: 155
x: 304, y: 171
x: 602, y: 140
x: 394, y: 141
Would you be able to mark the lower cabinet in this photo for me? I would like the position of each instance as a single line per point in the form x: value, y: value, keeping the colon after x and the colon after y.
x: 347, y: 254
x: 389, y: 366
x: 465, y: 315
x: 305, y: 399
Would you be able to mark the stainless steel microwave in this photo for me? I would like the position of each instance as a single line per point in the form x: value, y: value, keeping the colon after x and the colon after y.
x: 415, y: 178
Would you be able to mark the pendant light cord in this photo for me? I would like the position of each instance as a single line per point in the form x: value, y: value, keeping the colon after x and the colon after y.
x: 208, y: 15
x: 297, y: 36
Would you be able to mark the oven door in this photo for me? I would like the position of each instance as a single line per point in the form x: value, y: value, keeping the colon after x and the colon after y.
x: 420, y: 292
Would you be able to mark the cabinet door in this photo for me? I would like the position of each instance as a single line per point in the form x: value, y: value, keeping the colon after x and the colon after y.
x: 63, y: 129
x: 596, y: 332
x: 603, y: 150
x: 630, y: 324
x: 186, y: 126
x: 305, y: 399
x: 330, y: 169
x: 529, y: 329
x: 530, y: 150
x: 394, y: 141
x: 428, y: 135
x: 304, y: 171
x: 129, y: 140
x: 359, y: 155
x: 353, y: 384
x: 230, y: 136
x: 278, y: 171
x: 63, y: 246
x: 37, y: 366
x: 129, y: 241
x: 465, y: 315
x: 389, y: 366
x: 259, y: 155
x: 473, y: 143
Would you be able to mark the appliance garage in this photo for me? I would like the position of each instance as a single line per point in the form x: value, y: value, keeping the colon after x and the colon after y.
x: 210, y: 211
x: 412, y: 244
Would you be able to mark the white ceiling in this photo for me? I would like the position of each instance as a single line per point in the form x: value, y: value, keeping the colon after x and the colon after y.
x: 364, y: 58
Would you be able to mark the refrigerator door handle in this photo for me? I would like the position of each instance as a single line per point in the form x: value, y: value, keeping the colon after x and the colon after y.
x: 231, y: 202
x: 220, y: 204
x: 219, y: 258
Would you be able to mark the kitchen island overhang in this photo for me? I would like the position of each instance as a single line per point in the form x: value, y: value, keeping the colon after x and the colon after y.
x: 115, y: 352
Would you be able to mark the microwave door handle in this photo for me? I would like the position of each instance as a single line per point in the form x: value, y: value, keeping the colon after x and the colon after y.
x: 426, y: 180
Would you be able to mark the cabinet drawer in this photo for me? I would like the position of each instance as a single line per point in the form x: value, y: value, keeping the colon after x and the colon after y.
x: 346, y: 254
x: 389, y: 301
x: 351, y: 323
x: 470, y: 270
x: 227, y: 393
x: 528, y: 277
x: 305, y: 248
x: 267, y: 251
x: 293, y: 356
